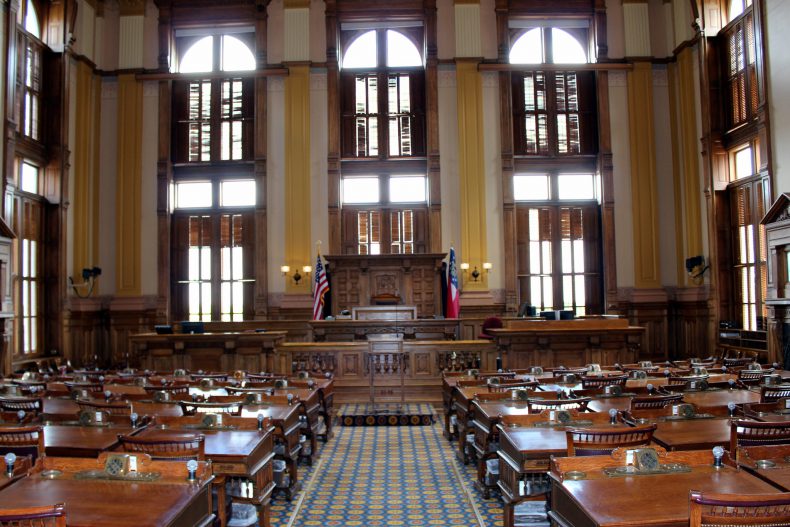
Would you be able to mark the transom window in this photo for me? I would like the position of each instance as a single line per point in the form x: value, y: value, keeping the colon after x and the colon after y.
x: 213, y: 233
x: 737, y: 7
x: 217, y: 53
x: 31, y: 51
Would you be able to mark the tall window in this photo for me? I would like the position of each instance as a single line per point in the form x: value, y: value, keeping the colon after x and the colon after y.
x: 558, y: 252
x: 749, y: 195
x: 214, y: 193
x: 28, y: 222
x: 213, y: 249
x: 556, y: 189
x: 384, y: 188
x: 385, y: 214
x: 29, y: 70
x: 383, y: 108
x: 740, y: 68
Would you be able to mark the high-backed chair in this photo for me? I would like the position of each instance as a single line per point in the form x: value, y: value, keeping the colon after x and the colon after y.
x: 771, y: 394
x: 490, y: 323
x: 219, y: 377
x: 46, y: 516
x: 175, y: 391
x: 22, y: 441
x: 601, y: 441
x: 710, y: 510
x: 506, y: 386
x: 658, y: 401
x: 166, y: 449
x: 751, y: 377
x: 600, y: 382
x: 755, y: 433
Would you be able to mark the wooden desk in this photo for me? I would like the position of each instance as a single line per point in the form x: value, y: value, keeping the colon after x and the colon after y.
x: 171, y: 501
x: 693, y: 434
x: 22, y: 466
x: 230, y: 351
x: 777, y: 475
x: 82, y: 441
x: 551, y: 343
x: 238, y: 456
x: 721, y: 397
x: 285, y: 420
x: 420, y: 329
x: 636, y: 501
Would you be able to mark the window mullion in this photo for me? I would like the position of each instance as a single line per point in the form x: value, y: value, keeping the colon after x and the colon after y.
x: 216, y: 262
x: 556, y: 256
x: 551, y: 111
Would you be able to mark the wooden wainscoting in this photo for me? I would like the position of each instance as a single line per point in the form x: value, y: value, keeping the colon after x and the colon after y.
x: 689, y: 327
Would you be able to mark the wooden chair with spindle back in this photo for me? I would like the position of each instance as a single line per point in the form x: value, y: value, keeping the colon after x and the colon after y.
x: 112, y: 408
x: 711, y: 510
x: 166, y: 449
x: 28, y: 405
x: 771, y: 394
x: 602, y: 441
x: 600, y: 382
x: 755, y: 433
x: 22, y: 441
x: 536, y: 404
x: 658, y: 401
x: 46, y: 516
x: 225, y: 407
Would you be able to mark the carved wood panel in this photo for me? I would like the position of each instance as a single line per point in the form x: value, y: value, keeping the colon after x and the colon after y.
x: 421, y: 363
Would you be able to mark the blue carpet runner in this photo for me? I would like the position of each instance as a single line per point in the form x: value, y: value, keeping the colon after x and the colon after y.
x: 387, y: 476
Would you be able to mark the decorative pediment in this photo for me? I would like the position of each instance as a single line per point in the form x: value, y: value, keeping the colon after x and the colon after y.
x: 779, y: 211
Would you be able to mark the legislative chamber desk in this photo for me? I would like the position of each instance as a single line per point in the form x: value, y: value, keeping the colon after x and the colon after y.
x: 168, y: 501
x: 82, y: 441
x: 769, y: 463
x: 251, y: 351
x: 414, y: 329
x: 692, y: 434
x: 599, y: 500
x: 551, y: 343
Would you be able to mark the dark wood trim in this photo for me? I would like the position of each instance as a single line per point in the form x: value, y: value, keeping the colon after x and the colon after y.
x: 597, y: 66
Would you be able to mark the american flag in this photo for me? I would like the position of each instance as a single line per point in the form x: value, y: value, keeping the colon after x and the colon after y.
x: 321, y: 288
x: 453, y: 300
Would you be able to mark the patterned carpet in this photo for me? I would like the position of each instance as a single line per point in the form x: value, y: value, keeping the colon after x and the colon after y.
x: 388, y: 476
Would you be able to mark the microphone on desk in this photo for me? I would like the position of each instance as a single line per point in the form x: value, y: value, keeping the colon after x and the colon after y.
x: 650, y: 389
x: 731, y: 382
x: 499, y: 364
x: 260, y: 421
x: 21, y: 415
x: 612, y: 416
x: 107, y: 395
x: 667, y: 373
x: 718, y: 454
x: 731, y: 407
x: 133, y: 418
x: 10, y: 459
x: 192, y: 466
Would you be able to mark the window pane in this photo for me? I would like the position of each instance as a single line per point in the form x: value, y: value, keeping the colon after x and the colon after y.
x: 31, y: 20
x: 236, y: 56
x: 237, y: 193
x: 744, y: 166
x: 566, y: 49
x: 199, y: 57
x: 528, y: 49
x: 401, y: 51
x: 193, y: 194
x: 576, y: 186
x: 29, y: 178
x: 205, y: 263
x: 409, y: 189
x: 530, y: 187
x: 362, y: 52
x: 224, y: 293
x: 238, y: 263
x: 361, y: 190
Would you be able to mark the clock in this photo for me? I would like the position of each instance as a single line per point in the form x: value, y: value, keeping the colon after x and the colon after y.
x: 646, y: 459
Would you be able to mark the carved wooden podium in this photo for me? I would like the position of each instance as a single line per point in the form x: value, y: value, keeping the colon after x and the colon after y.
x: 358, y: 280
x: 387, y: 362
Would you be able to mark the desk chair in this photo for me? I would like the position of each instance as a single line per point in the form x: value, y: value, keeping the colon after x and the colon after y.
x: 173, y: 390
x: 225, y: 407
x: 658, y: 401
x: 29, y: 405
x: 166, y: 449
x: 752, y: 377
x: 218, y: 377
x: 602, y: 441
x: 710, y: 510
x: 506, y: 386
x: 600, y: 382
x: 771, y: 394
x: 116, y: 408
x: 754, y: 433
x: 22, y: 441
x: 536, y: 405
x: 46, y: 516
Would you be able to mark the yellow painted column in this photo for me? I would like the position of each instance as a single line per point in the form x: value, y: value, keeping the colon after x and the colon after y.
x: 644, y: 194
x: 692, y: 194
x: 298, y: 241
x: 471, y: 173
x: 85, y: 200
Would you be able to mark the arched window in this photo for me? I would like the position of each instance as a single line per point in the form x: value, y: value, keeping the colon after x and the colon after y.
x: 203, y: 56
x: 198, y: 57
x: 547, y: 45
x: 383, y: 119
x: 32, y: 24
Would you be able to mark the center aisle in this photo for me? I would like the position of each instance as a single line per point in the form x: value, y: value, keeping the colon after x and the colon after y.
x: 388, y: 475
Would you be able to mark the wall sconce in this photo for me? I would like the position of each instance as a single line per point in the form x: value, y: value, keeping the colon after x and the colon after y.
x: 297, y: 276
x: 89, y: 275
x: 475, y: 274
